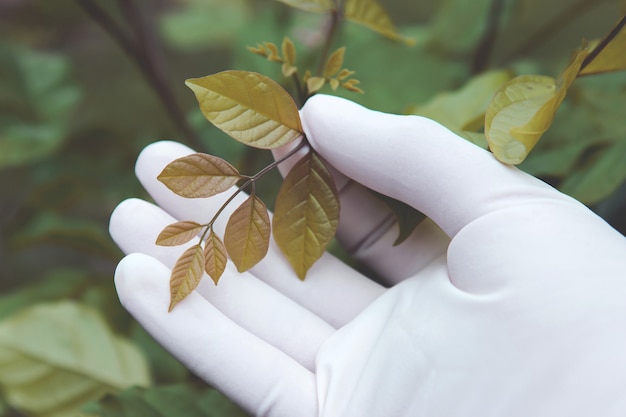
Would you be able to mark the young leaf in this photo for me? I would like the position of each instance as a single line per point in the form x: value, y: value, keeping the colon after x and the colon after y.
x: 199, y: 175
x: 249, y: 107
x: 186, y: 274
x: 306, y: 213
x: 314, y: 84
x: 351, y: 85
x: 178, y: 233
x: 214, y: 256
x: 371, y: 14
x: 247, y: 233
x: 334, y: 62
x: 273, y: 49
x: 523, y: 109
x: 289, y: 51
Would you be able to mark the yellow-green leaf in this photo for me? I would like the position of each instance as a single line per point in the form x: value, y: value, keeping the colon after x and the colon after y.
x: 54, y: 357
x: 186, y: 274
x: 334, y: 62
x: 464, y: 109
x: 215, y: 256
x: 273, y: 51
x: 314, y: 84
x: 288, y: 70
x: 318, y: 6
x: 249, y: 107
x: 247, y: 233
x: 609, y: 54
x: 289, y: 51
x: 523, y: 109
x: 351, y: 85
x: 199, y: 175
x: 178, y: 233
x: 306, y: 213
x: 371, y: 14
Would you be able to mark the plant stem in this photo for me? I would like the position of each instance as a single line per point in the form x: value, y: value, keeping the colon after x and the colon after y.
x: 603, y: 43
x: 330, y: 37
x: 252, y: 180
x: 481, y: 57
x: 142, y: 51
x: 300, y: 89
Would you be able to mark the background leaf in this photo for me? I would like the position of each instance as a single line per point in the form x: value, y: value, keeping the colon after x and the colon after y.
x: 249, y: 107
x: 199, y: 175
x: 464, y: 109
x: 247, y: 233
x: 186, y: 274
x: 306, y: 213
x: 37, y: 101
x: 370, y: 13
x: 178, y: 233
x: 81, y: 359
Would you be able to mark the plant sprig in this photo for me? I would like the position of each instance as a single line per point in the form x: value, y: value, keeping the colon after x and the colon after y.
x: 257, y: 111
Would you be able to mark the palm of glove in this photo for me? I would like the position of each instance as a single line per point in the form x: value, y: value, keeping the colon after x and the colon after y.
x: 519, y: 313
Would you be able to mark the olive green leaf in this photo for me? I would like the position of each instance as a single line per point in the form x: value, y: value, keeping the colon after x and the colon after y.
x: 199, y: 175
x: 306, y: 213
x: 334, y: 62
x: 372, y: 15
x: 56, y: 356
x: 318, y: 6
x: 249, y: 107
x: 609, y: 54
x: 247, y: 233
x: 523, y: 109
x: 215, y: 256
x: 186, y: 274
x: 178, y: 233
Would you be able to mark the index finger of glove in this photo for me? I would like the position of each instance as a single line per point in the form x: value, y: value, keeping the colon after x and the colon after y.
x: 416, y: 160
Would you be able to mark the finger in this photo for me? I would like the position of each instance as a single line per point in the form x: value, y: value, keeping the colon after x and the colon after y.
x: 255, y: 375
x: 416, y: 160
x: 252, y: 304
x: 368, y: 229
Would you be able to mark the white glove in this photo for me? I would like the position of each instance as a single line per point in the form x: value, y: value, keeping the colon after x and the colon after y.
x: 515, y: 306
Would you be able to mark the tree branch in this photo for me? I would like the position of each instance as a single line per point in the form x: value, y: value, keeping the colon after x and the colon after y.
x: 142, y: 53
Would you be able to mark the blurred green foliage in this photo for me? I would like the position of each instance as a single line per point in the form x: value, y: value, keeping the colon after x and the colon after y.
x: 76, y: 108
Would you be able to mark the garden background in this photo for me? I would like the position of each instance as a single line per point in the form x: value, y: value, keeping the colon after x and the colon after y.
x: 86, y: 84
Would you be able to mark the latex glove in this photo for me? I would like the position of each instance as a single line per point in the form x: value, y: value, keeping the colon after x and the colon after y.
x: 518, y: 309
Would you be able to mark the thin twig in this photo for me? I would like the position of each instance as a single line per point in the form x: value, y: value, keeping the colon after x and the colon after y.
x: 484, y: 49
x: 604, y: 42
x: 136, y: 48
x: 330, y: 37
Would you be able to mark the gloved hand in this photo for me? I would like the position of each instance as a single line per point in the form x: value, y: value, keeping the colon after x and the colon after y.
x: 514, y: 305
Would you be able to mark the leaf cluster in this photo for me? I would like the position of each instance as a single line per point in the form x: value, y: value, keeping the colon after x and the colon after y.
x: 254, y: 110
